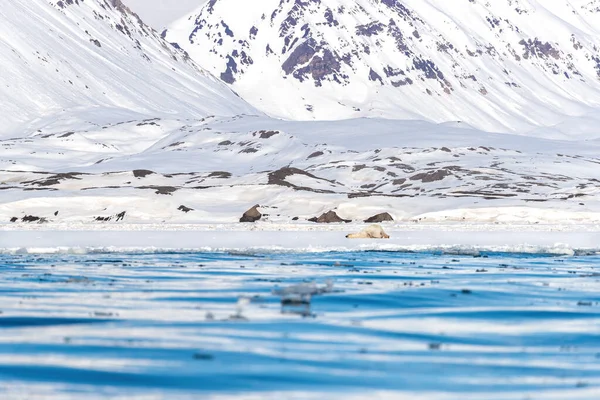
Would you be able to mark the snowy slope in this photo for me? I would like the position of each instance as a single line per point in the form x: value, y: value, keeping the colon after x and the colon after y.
x: 502, y: 65
x: 61, y: 57
x: 214, y: 169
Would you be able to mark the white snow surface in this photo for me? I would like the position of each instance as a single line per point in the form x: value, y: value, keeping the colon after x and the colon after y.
x: 517, y: 65
x: 97, y: 57
x: 284, y: 238
x: 80, y: 170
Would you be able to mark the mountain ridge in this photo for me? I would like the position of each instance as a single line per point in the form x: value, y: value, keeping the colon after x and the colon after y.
x: 513, y: 65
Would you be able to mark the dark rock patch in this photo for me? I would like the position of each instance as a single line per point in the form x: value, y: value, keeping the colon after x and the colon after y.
x: 487, y: 195
x: 252, y: 215
x: 267, y: 134
x: 232, y: 68
x: 278, y: 178
x: 152, y: 123
x: 370, y: 29
x: 383, y: 217
x: 403, y: 167
x: 166, y: 190
x: 374, y: 76
x: 14, y: 219
x: 118, y: 217
x: 315, y: 154
x: 55, y: 179
x: 185, y: 209
x: 537, y: 48
x: 32, y: 218
x: 300, y: 56
x: 328, y: 218
x: 432, y: 176
x: 359, y: 195
x: 142, y: 173
x: 373, y: 194
x: 220, y: 174
x: 47, y: 182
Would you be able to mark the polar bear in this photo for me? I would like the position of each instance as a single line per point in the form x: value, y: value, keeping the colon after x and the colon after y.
x: 370, y: 232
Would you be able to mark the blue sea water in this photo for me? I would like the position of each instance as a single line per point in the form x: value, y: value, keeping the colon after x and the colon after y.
x: 326, y: 325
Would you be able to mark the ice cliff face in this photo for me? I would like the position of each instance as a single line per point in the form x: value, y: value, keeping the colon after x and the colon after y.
x: 96, y: 54
x: 507, y: 65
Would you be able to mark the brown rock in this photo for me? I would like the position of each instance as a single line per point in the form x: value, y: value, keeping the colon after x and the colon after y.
x: 252, y: 215
x: 383, y: 217
x: 329, y: 217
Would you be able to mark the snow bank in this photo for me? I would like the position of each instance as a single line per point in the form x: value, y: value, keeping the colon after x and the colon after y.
x: 451, y: 239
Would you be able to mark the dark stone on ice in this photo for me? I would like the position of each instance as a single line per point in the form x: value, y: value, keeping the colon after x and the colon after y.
x: 383, y: 217
x: 329, y: 217
x: 32, y: 218
x: 252, y: 215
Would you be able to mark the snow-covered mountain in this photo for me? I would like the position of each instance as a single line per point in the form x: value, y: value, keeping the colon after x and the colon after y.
x: 501, y: 65
x: 212, y: 170
x: 60, y: 57
x: 103, y: 121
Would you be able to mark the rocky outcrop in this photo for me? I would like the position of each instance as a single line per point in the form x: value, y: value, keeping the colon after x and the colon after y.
x: 252, y: 215
x: 383, y: 217
x: 118, y: 217
x: 185, y: 209
x: 405, y: 51
x: 328, y: 218
x: 142, y: 173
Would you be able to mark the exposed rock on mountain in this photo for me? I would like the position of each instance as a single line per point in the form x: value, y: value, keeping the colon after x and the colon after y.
x: 506, y: 65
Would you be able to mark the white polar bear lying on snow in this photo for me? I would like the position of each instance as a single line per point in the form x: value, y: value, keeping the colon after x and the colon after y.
x: 370, y: 232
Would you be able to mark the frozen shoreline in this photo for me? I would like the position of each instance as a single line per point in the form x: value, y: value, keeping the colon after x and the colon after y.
x: 270, y: 237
